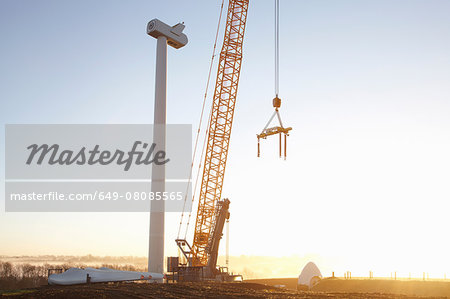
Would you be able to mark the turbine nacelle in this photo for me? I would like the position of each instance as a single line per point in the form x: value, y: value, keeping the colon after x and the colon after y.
x: 174, y: 34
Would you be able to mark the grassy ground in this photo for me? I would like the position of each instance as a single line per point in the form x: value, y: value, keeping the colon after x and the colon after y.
x: 408, y: 287
x: 289, y: 283
x: 404, y: 287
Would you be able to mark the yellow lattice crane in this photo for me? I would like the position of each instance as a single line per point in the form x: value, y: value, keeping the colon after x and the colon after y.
x: 221, y: 121
x: 212, y: 211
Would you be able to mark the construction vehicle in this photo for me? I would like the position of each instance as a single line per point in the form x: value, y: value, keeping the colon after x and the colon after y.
x: 199, y: 260
x: 189, y: 271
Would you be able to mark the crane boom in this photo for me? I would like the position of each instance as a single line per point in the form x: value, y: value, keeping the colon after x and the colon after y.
x: 220, y: 124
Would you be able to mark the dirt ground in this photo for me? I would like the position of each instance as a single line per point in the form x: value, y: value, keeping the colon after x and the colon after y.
x: 183, y: 290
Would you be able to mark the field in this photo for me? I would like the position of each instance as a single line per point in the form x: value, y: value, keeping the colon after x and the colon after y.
x: 413, y: 287
x: 401, y: 287
x: 23, y: 277
x: 193, y: 290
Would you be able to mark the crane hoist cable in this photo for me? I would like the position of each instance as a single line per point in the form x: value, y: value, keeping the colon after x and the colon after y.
x: 277, y: 47
x: 198, y: 135
x: 280, y: 129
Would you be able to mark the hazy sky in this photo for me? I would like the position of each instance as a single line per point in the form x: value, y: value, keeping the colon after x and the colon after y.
x: 365, y: 85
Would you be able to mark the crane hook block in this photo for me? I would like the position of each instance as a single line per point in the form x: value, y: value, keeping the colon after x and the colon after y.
x: 276, y: 102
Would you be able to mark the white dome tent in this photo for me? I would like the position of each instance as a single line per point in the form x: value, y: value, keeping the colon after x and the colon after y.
x: 309, y: 276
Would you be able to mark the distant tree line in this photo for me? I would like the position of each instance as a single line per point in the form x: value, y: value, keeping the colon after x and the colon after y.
x: 70, y: 259
x: 19, y: 276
